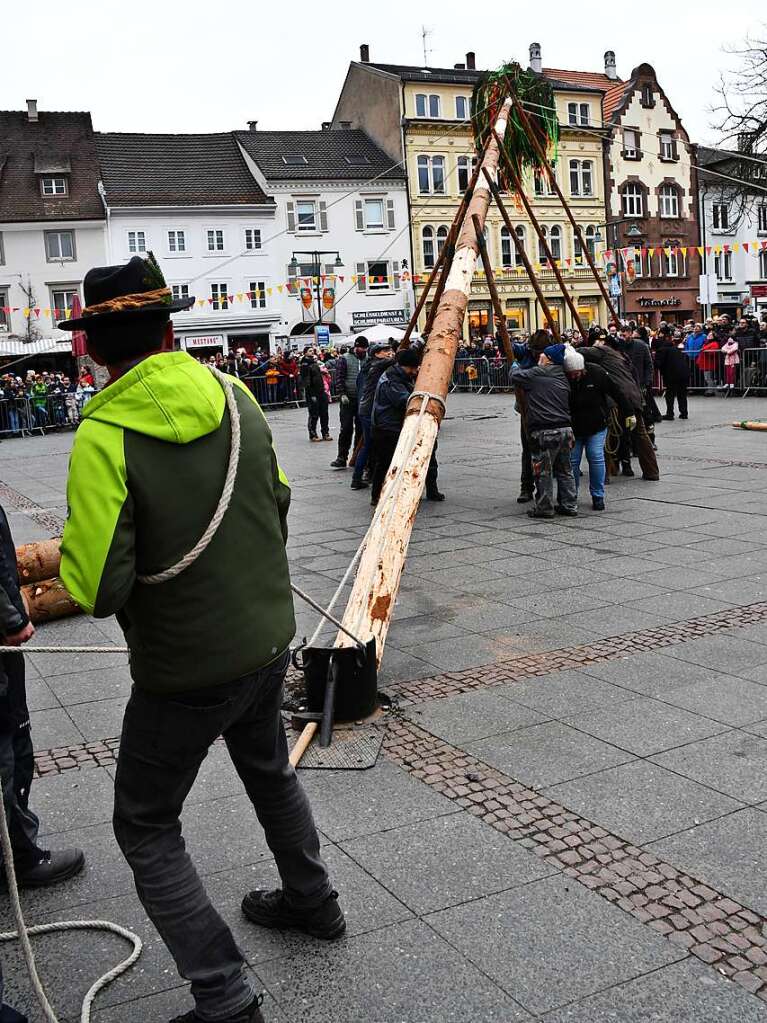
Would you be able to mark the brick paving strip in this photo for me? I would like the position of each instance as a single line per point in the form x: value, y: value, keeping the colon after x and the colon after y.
x: 712, y: 927
x: 715, y: 929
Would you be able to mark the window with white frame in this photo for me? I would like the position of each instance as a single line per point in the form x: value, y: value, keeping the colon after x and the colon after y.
x: 461, y: 107
x: 522, y: 236
x: 667, y: 145
x: 214, y: 237
x: 541, y: 182
x: 378, y: 275
x: 578, y: 113
x: 307, y: 216
x: 581, y: 178
x: 465, y: 166
x: 252, y: 239
x: 720, y: 216
x: 305, y: 274
x: 431, y: 175
x: 61, y: 301
x: 553, y: 236
x: 136, y: 241
x: 631, y: 143
x: 257, y: 294
x: 763, y: 264
x: 176, y: 241
x: 2, y: 251
x: 59, y: 246
x: 671, y: 256
x: 427, y: 106
x: 638, y: 262
x: 5, y: 317
x: 220, y: 295
x: 506, y: 257
x: 374, y: 214
x: 427, y: 246
x: 180, y: 291
x: 54, y: 186
x: 633, y: 200
x: 590, y: 236
x: 442, y: 233
x: 668, y: 201
x: 723, y: 266
x: 647, y: 99
x: 761, y: 221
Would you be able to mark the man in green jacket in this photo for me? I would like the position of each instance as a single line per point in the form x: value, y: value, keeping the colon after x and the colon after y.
x: 189, y: 553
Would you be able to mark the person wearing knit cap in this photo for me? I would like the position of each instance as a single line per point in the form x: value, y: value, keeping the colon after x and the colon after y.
x: 592, y: 394
x: 389, y: 407
x: 550, y: 432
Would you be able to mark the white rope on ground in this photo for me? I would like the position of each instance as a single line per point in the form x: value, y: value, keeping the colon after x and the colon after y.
x: 22, y: 933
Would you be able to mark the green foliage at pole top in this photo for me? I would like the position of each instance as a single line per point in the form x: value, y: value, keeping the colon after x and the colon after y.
x: 537, y: 97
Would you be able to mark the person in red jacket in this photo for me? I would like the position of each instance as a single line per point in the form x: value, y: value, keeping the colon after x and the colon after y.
x: 708, y: 362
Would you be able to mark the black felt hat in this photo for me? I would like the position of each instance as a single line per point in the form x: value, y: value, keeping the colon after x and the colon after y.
x: 115, y: 294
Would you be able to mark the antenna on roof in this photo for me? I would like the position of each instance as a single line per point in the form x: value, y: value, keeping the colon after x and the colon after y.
x: 425, y: 33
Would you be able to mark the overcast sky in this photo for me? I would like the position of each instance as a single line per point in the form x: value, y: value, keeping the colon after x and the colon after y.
x: 167, y: 65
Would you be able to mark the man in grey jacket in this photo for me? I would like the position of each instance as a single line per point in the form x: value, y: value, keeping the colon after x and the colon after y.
x: 347, y: 370
x: 550, y: 431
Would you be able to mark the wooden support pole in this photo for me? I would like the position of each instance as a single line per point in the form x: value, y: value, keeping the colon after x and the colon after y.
x: 565, y: 205
x: 371, y: 603
x: 518, y: 185
x: 503, y: 330
x: 496, y: 193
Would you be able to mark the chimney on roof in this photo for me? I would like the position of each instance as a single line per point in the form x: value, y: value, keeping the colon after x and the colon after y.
x: 536, y: 58
x: 610, y: 69
x: 32, y: 110
x: 459, y: 67
x: 365, y: 53
x: 326, y: 125
x: 252, y: 125
x: 471, y: 60
x: 745, y: 142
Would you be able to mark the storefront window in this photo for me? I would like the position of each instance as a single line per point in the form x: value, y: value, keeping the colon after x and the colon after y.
x: 516, y: 316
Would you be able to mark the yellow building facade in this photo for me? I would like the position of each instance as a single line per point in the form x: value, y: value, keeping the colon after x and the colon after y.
x: 439, y: 164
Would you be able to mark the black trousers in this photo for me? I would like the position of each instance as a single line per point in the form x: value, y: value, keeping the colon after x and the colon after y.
x: 318, y: 410
x: 527, y: 481
x: 349, y: 425
x: 384, y: 446
x: 17, y: 761
x: 676, y: 389
x: 164, y: 742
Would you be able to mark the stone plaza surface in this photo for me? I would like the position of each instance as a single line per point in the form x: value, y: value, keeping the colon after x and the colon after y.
x: 569, y: 817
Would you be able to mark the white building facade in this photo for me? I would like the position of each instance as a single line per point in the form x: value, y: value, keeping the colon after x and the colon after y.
x: 733, y: 233
x: 52, y: 223
x: 340, y: 249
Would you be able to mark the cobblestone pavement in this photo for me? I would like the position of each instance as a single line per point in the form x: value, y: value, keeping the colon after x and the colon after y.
x: 569, y: 817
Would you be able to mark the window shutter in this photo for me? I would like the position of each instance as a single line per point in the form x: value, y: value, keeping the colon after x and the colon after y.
x: 361, y: 277
x: 390, y: 214
x: 674, y: 150
x: 323, y: 216
x: 395, y: 271
x: 359, y: 218
x: 291, y: 208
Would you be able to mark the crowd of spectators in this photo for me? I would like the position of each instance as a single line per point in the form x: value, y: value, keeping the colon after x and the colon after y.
x: 42, y: 400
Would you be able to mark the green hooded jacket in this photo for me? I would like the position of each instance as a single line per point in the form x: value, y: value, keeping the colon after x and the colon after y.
x: 145, y: 476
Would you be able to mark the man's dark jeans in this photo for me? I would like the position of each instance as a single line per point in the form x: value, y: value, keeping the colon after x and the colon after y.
x: 164, y: 741
x: 17, y: 762
x: 350, y: 425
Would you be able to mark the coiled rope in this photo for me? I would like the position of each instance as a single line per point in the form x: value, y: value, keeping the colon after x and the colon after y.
x: 23, y: 932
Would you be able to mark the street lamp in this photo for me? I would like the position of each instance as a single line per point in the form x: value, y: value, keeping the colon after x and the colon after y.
x: 316, y: 255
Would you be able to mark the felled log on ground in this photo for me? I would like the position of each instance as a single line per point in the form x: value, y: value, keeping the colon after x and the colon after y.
x: 47, y: 600
x: 750, y: 424
x: 38, y: 561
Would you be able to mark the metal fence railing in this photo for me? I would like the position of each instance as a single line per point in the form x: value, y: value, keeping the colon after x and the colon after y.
x: 23, y: 416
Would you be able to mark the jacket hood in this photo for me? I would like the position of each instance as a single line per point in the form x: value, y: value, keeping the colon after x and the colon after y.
x: 169, y: 396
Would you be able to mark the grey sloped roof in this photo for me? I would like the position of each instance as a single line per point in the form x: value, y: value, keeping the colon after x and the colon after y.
x: 28, y: 147
x: 332, y: 155
x: 414, y: 73
x: 176, y: 170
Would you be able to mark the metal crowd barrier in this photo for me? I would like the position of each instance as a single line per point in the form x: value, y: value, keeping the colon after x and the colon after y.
x: 25, y: 416
x: 281, y: 393
x: 481, y: 375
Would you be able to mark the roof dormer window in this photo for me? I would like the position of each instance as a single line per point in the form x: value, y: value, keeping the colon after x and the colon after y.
x: 357, y: 159
x: 294, y: 160
x: 54, y: 185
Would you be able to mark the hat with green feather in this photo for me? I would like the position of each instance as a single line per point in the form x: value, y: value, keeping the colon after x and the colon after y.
x: 132, y: 290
